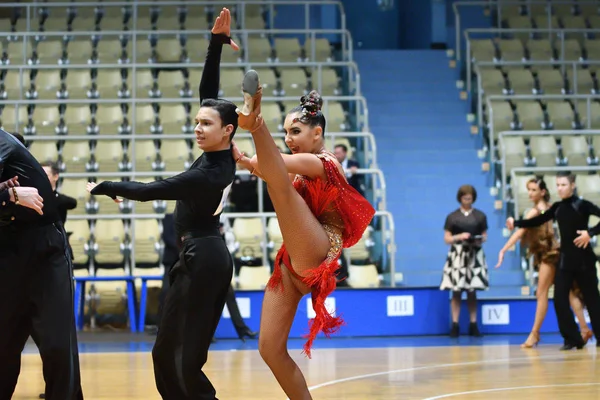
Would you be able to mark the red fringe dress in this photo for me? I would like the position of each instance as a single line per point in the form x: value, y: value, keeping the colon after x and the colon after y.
x: 345, y: 215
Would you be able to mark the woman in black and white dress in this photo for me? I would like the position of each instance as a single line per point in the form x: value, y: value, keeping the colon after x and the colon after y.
x: 466, y: 268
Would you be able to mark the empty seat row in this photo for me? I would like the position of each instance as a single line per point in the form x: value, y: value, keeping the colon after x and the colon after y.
x: 521, y: 81
x: 149, y: 83
x: 113, y: 119
x: 157, y: 49
x: 534, y: 50
x: 563, y: 9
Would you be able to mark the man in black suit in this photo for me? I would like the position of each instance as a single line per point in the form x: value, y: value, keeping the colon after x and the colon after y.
x: 63, y: 202
x: 350, y: 167
x: 37, y: 285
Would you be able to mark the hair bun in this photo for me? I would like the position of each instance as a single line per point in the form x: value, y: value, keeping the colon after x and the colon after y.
x: 312, y: 102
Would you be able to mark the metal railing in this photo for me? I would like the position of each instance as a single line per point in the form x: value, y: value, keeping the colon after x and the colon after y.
x: 560, y: 36
x: 492, y: 4
x: 587, y: 98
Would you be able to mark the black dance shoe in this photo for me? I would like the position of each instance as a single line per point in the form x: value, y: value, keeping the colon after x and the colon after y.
x: 571, y: 346
x: 246, y: 333
x: 474, y: 330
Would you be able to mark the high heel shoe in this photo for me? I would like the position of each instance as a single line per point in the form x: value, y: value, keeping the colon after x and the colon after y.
x: 249, y: 117
x: 532, y: 341
x: 246, y: 333
x: 250, y: 87
x: 587, y: 336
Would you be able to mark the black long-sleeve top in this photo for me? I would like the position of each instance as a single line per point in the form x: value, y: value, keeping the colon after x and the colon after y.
x: 572, y: 215
x: 16, y: 160
x: 201, y: 189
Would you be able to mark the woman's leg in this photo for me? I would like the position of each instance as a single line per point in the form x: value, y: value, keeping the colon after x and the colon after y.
x: 577, y: 307
x: 278, y: 312
x: 472, y: 304
x: 304, y: 237
x: 455, y: 306
x: 545, y: 281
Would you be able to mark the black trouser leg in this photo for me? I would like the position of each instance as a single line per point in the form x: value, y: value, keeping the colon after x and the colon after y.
x: 15, y: 325
x: 53, y: 322
x: 563, y: 282
x: 162, y: 297
x: 588, y: 284
x: 193, y: 307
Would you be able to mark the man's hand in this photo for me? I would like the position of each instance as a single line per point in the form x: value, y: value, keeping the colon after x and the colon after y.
x: 582, y: 240
x: 12, y: 182
x: 223, y: 26
x: 28, y: 197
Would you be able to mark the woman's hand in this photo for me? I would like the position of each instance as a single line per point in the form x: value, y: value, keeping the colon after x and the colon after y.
x: 463, y: 236
x: 12, y: 182
x: 223, y: 26
x: 500, y: 259
x: 91, y: 185
x: 235, y: 152
x: 28, y: 197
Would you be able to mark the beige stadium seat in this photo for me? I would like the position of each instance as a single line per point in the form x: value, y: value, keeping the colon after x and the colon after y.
x: 482, y: 50
x: 249, y: 236
x: 335, y: 115
x: 268, y: 81
x: 593, y: 119
x: 144, y: 82
x: 108, y: 119
x: 511, y: 49
x: 168, y: 50
x: 145, y: 155
x: 530, y: 114
x: 174, y: 155
x: 576, y: 22
x: 519, y: 22
x: 231, y: 82
x: 550, y: 180
x: 196, y: 46
x: 50, y: 51
x: 360, y: 251
x: 108, y: 156
x: 246, y: 145
x: 551, y: 81
x: 254, y: 22
x: 76, y: 188
x: 540, y: 50
x: 580, y: 81
x: 575, y: 150
x: 544, y: 150
x: 144, y: 51
x: 146, y: 241
x: 293, y: 82
x: 110, y: 297
x: 174, y: 119
x: 321, y: 48
x: 271, y: 114
x: 560, y: 115
x: 44, y: 151
x: 171, y: 84
x: 46, y: 120
x: 79, y: 239
x: 588, y: 187
x: 287, y: 49
x: 571, y: 51
x: 170, y: 206
x: 363, y: 276
x: 47, y: 85
x: 16, y: 85
x: 79, y: 84
x: 82, y: 23
x: 543, y: 22
x: 167, y: 23
x: 109, y: 50
x: 274, y: 235
x: 330, y: 82
x: 78, y: 119
x: 259, y: 49
x: 57, y: 21
x: 111, y: 22
x: 512, y: 152
x: 254, y: 278
x: 521, y: 81
x: 145, y: 120
x: 109, y: 84
x: 17, y: 52
x: 492, y: 81
x: 76, y: 155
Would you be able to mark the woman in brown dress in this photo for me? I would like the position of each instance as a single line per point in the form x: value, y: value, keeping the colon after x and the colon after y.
x: 543, y: 246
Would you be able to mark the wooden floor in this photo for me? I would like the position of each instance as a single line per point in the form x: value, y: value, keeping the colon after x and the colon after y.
x: 466, y: 372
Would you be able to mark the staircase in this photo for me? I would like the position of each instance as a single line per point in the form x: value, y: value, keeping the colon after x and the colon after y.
x: 426, y: 152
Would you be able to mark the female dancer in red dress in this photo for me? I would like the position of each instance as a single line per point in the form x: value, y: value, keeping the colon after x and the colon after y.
x: 319, y: 213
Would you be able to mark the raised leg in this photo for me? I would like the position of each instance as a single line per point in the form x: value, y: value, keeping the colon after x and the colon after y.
x: 305, y: 238
x: 278, y: 311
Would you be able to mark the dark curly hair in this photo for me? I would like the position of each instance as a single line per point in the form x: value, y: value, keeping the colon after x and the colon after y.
x: 310, y: 110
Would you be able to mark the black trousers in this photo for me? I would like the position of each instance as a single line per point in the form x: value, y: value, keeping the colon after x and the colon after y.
x: 193, y: 306
x: 586, y: 278
x: 36, y: 286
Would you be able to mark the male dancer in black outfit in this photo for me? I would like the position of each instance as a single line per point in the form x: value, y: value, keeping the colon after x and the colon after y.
x: 35, y: 278
x: 202, y: 276
x: 577, y: 259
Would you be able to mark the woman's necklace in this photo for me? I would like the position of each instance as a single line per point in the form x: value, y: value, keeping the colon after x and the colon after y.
x: 466, y: 213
